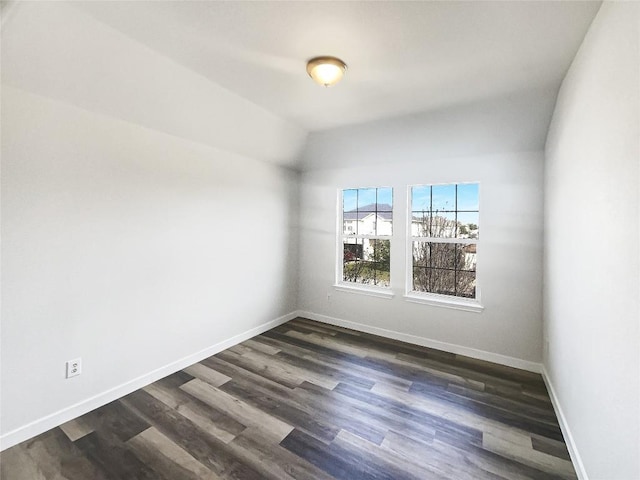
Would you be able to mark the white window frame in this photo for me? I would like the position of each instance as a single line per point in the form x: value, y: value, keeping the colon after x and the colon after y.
x: 352, y: 287
x: 435, y: 299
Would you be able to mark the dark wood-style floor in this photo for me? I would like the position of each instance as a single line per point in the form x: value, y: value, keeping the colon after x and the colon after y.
x: 312, y: 401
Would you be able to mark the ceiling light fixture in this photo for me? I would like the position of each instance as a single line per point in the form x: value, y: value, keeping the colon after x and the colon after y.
x: 326, y: 71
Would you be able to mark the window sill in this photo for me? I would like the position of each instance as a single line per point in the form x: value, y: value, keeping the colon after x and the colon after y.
x: 371, y: 291
x: 446, y: 302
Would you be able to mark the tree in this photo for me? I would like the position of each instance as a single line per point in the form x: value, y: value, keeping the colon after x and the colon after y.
x: 382, y: 254
x: 372, y: 268
x: 442, y: 267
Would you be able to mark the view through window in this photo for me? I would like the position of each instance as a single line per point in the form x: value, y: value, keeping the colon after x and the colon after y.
x: 367, y: 226
x: 444, y: 239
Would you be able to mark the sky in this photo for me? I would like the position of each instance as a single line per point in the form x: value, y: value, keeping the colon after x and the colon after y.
x: 440, y: 197
x: 366, y: 196
x: 443, y: 197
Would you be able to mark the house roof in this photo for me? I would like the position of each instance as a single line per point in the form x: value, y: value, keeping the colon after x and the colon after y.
x: 383, y: 210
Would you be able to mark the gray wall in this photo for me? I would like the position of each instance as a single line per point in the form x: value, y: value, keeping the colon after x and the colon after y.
x: 127, y: 240
x: 591, y: 293
x: 510, y: 248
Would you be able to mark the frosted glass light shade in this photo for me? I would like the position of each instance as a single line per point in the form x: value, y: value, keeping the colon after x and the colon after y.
x: 326, y: 71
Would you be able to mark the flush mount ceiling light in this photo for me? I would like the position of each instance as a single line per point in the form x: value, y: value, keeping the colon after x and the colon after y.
x: 326, y: 71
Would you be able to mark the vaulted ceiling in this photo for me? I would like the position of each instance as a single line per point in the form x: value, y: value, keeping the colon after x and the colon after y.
x: 404, y: 58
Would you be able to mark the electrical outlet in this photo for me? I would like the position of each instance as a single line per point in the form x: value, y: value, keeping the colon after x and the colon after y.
x: 74, y: 367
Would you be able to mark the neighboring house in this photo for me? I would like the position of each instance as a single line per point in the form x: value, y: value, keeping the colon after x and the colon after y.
x: 365, y: 220
x: 445, y: 227
x: 372, y: 219
x: 470, y: 254
x: 376, y: 219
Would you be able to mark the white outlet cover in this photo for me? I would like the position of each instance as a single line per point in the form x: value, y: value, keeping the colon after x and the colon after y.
x: 74, y: 367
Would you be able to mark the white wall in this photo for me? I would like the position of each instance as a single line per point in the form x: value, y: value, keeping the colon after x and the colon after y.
x: 55, y: 50
x: 591, y: 283
x: 125, y: 243
x: 513, y: 123
x: 510, y: 258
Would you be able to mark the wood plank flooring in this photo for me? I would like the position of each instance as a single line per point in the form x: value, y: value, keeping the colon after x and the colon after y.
x: 312, y: 401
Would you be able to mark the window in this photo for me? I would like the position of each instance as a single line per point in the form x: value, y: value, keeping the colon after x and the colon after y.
x: 443, y: 240
x: 365, y: 238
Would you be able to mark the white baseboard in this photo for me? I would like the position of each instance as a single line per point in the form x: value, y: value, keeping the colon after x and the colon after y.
x: 427, y: 342
x: 55, y: 419
x: 564, y: 426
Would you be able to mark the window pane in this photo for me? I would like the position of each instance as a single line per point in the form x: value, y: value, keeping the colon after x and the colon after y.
x: 421, y: 254
x: 366, y: 261
x: 442, y: 255
x: 443, y: 225
x: 349, y: 227
x: 384, y: 207
x: 421, y: 198
x: 443, y: 198
x: 384, y: 223
x: 468, y: 224
x: 352, y: 249
x: 442, y: 281
x: 367, y: 199
x: 453, y: 209
x: 349, y: 212
x: 367, y: 223
x: 380, y: 253
x: 367, y: 211
x: 352, y: 271
x: 444, y: 268
x: 466, y: 284
x: 349, y: 200
x: 385, y: 197
x: 420, y: 224
x: 467, y: 257
x: 445, y: 212
x: 351, y: 259
x: 468, y: 197
x: 420, y: 279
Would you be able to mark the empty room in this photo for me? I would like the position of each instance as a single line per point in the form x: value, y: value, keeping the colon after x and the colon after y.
x: 332, y: 240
